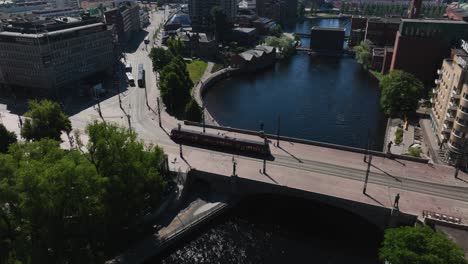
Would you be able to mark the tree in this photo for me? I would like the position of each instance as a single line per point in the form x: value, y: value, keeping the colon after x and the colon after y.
x: 419, y: 245
x: 133, y: 172
x: 276, y: 31
x: 45, y: 120
x: 6, y: 138
x: 284, y: 45
x: 363, y: 53
x: 175, y: 85
x: 193, y: 111
x: 400, y: 92
x: 160, y: 58
x: 54, y: 211
x: 176, y: 46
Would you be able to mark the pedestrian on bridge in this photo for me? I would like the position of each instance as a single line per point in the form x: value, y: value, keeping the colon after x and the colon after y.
x: 397, y: 201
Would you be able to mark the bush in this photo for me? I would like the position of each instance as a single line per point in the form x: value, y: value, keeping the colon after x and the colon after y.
x: 415, y: 152
x: 398, y: 136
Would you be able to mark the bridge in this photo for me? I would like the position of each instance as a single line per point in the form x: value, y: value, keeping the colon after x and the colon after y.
x: 330, y: 172
x: 307, y: 35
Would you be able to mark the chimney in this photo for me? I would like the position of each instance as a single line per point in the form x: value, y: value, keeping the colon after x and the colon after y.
x: 415, y: 9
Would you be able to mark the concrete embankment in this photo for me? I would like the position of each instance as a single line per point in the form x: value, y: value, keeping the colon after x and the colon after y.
x: 308, y: 142
x: 200, y: 209
x: 207, y: 82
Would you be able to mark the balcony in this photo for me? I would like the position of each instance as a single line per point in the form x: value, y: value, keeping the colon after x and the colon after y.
x: 431, y: 100
x: 439, y: 71
x: 455, y: 94
x: 452, y: 106
x: 460, y: 122
x: 437, y: 81
x: 448, y: 116
x: 447, y: 127
x: 454, y: 146
x: 434, y: 90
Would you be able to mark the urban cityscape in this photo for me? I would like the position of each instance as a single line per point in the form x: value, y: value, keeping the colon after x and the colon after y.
x: 233, y: 131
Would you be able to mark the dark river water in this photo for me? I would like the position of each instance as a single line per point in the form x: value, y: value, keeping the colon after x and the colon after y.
x: 277, y: 230
x: 317, y: 98
x: 325, y: 99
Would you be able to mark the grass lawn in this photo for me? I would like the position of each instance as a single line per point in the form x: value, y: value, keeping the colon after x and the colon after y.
x: 196, y: 69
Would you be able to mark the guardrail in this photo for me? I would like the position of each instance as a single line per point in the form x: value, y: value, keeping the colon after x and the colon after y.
x: 309, y: 142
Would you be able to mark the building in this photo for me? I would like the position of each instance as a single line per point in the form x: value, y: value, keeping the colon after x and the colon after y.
x: 449, y: 114
x: 198, y: 44
x: 59, y: 4
x: 243, y: 36
x: 421, y: 45
x: 178, y: 20
x: 327, y: 40
x: 200, y: 12
x: 60, y: 12
x: 248, y: 4
x: 382, y: 31
x: 263, y: 25
x: 356, y: 36
x: 377, y: 58
x: 48, y: 57
x: 283, y: 11
x: 458, y: 14
x: 255, y: 59
x: 144, y: 18
x: 387, y: 61
x: 125, y: 18
x: 10, y: 7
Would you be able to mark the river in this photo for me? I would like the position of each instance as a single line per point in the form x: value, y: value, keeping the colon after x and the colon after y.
x: 325, y: 99
x: 317, y: 98
x: 277, y: 230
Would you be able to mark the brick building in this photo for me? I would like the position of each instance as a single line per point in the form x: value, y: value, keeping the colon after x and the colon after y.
x: 382, y: 31
x: 421, y: 45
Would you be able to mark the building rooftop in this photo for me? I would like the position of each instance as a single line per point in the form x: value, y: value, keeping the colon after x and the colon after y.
x: 378, y: 52
x: 34, y: 26
x: 257, y: 52
x: 244, y: 30
x: 185, y: 36
x: 42, y: 34
x: 328, y: 29
x: 389, y: 20
x: 432, y: 21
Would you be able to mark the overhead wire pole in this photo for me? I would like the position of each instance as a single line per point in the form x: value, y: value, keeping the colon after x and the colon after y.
x: 159, y: 112
x: 369, y: 164
x: 278, y: 132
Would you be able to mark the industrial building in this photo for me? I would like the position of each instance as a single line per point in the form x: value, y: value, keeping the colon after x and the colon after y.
x: 327, y: 41
x: 48, y: 57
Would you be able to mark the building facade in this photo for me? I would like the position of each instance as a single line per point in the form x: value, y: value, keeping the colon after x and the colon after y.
x: 382, y: 31
x: 327, y: 40
x: 283, y: 11
x: 125, y: 18
x: 200, y: 11
x: 45, y: 58
x: 449, y: 114
x: 421, y: 45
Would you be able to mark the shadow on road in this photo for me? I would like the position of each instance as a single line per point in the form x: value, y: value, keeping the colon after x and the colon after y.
x: 290, y: 154
x: 135, y: 41
x: 386, y: 173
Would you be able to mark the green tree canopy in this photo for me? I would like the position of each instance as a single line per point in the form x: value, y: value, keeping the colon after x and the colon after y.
x: 6, y: 138
x: 160, y: 58
x: 364, y: 53
x: 400, y: 93
x: 45, y: 120
x: 176, y: 46
x: 53, y: 199
x: 284, y: 45
x: 133, y: 173
x: 277, y: 31
x: 193, y: 111
x: 175, y: 85
x: 419, y: 245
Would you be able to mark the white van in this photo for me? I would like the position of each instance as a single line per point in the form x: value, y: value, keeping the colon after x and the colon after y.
x: 128, y: 67
x: 130, y: 79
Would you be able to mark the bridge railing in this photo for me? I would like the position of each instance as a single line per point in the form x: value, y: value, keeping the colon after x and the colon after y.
x: 309, y: 142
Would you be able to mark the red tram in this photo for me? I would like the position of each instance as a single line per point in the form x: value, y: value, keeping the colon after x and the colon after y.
x: 243, y: 145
